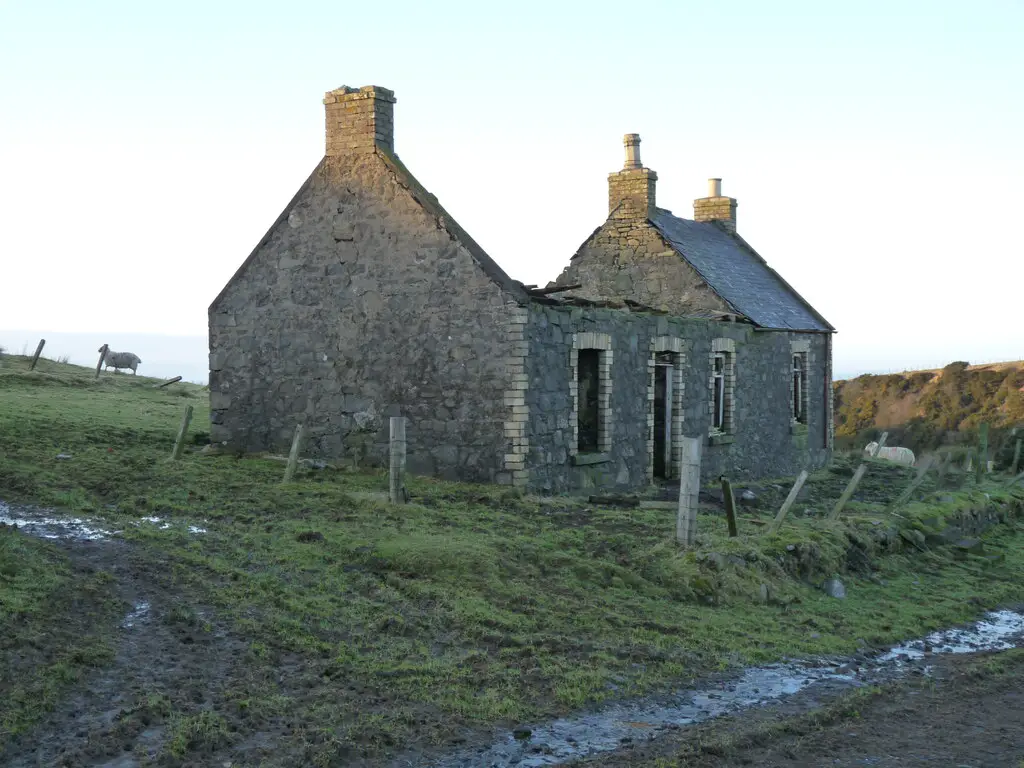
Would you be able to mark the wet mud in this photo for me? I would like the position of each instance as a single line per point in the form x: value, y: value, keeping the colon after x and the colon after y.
x: 567, y: 739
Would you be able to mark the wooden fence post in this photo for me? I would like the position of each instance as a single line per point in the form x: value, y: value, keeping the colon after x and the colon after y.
x: 179, y: 442
x: 396, y: 474
x: 982, y: 465
x: 35, y: 357
x: 689, y: 489
x: 169, y: 381
x: 848, y: 492
x: 103, y: 354
x: 784, y: 509
x: 1016, y: 457
x: 904, y: 496
x: 293, y: 454
x: 730, y: 507
x: 881, y: 444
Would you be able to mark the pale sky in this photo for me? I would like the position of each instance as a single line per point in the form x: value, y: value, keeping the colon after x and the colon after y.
x: 875, y: 148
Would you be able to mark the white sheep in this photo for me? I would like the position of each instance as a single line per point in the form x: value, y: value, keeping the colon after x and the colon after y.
x: 895, y: 453
x: 117, y: 360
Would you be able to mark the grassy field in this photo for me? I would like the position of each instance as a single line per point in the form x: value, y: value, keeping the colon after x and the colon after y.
x: 362, y: 628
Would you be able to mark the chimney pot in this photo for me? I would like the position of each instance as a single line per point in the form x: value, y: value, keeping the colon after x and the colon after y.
x: 632, y: 142
x: 715, y: 207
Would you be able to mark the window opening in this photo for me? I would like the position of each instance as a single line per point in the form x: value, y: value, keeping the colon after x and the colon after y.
x: 799, y: 413
x: 589, y: 413
x: 663, y: 397
x: 718, y: 375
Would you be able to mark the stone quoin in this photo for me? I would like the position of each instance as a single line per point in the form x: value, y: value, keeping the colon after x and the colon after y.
x: 366, y: 300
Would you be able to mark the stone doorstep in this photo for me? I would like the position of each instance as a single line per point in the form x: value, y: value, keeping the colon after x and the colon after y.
x: 587, y: 459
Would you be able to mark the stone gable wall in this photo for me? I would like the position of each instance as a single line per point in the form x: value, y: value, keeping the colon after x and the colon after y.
x: 628, y: 258
x: 761, y: 444
x: 360, y: 306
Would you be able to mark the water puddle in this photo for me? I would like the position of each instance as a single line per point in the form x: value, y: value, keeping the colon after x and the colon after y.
x: 164, y: 524
x: 555, y: 743
x: 46, y: 524
x: 40, y: 523
x: 137, y: 615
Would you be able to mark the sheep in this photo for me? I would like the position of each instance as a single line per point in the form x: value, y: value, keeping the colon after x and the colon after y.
x: 892, y: 453
x: 117, y: 360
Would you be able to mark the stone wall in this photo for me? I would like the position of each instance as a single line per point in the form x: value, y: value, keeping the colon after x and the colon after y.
x: 629, y: 258
x: 360, y: 304
x: 761, y: 442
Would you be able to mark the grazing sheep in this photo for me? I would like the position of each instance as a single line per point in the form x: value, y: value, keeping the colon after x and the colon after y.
x: 892, y: 453
x: 117, y: 360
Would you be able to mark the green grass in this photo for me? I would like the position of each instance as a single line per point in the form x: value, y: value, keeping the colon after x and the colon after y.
x: 55, y: 626
x: 471, y: 605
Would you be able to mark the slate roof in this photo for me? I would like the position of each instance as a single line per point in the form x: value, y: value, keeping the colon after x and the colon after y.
x: 739, y: 275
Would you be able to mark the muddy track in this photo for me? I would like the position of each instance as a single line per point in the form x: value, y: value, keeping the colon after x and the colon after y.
x: 167, y: 654
x: 957, y: 715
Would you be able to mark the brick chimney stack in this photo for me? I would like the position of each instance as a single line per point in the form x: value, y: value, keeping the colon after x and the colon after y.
x: 359, y: 120
x: 714, y: 207
x: 631, y: 190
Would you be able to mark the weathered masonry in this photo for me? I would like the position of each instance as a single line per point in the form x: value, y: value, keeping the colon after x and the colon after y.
x: 365, y: 299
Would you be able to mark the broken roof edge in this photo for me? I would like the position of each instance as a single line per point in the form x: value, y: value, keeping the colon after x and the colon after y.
x: 266, y: 235
x: 432, y: 205
x: 667, y: 241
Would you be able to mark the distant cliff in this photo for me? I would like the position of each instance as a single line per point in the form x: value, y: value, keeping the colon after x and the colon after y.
x: 925, y: 409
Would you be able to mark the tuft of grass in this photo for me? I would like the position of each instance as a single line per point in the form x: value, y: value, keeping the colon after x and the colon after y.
x: 200, y: 733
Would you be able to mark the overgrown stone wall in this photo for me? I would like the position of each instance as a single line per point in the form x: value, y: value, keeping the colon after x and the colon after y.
x: 358, y: 305
x: 629, y: 258
x: 761, y: 443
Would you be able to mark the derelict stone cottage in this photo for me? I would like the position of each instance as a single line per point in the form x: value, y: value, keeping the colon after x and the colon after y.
x: 365, y: 299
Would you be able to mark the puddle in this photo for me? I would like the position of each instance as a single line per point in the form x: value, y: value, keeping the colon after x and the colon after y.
x: 555, y: 743
x: 40, y: 523
x: 164, y: 525
x: 998, y: 631
x: 137, y: 615
x: 44, y: 524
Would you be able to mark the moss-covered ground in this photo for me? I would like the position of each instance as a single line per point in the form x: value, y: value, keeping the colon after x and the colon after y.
x: 368, y: 627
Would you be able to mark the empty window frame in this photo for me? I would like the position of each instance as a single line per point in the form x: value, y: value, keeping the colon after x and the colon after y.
x: 798, y: 387
x: 588, y: 382
x: 591, y: 391
x: 722, y: 386
x: 718, y: 391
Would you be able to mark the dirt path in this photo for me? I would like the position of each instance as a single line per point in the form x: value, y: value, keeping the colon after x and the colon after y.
x: 167, y: 654
x: 970, y: 712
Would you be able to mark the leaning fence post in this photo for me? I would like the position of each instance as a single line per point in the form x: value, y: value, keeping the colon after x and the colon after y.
x: 848, y: 492
x: 784, y: 509
x: 293, y: 454
x: 730, y: 507
x: 396, y: 474
x: 1016, y: 458
x: 35, y: 357
x: 982, y: 465
x: 179, y: 442
x: 103, y: 354
x: 881, y: 445
x: 689, y: 489
x: 904, y: 496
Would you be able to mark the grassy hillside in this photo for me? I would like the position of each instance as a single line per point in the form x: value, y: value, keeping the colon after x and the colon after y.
x: 313, y: 623
x: 925, y: 409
